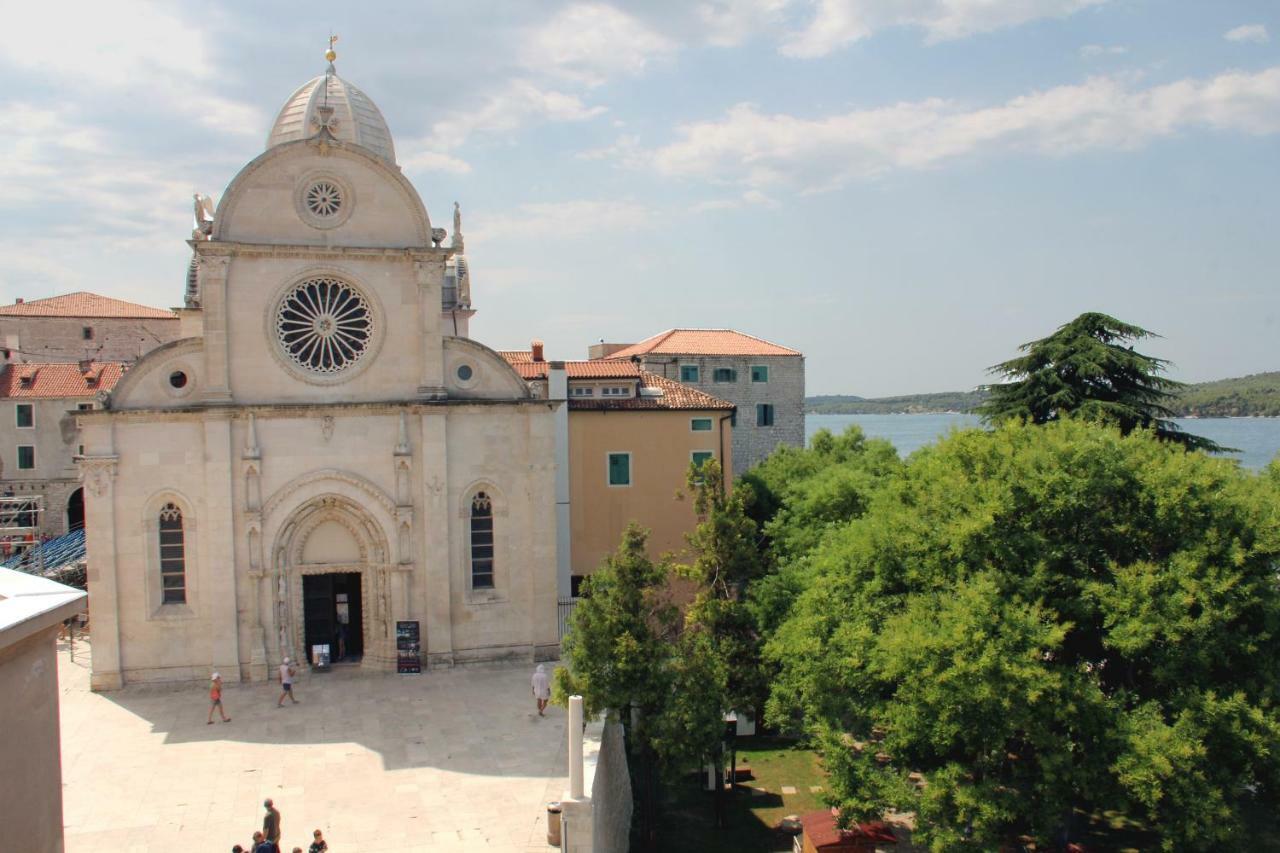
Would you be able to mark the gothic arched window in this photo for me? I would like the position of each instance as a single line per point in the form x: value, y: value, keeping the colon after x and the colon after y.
x: 481, y: 542
x: 173, y: 556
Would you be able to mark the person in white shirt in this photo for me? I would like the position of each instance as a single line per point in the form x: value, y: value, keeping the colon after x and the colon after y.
x: 286, y: 683
x: 541, y: 689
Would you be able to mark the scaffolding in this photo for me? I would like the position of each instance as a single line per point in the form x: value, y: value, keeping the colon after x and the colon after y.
x: 19, y: 522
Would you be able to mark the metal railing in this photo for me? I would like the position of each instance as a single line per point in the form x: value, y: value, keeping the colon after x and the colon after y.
x: 564, y: 615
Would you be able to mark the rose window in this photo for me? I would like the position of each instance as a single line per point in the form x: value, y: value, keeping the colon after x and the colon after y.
x: 324, y: 198
x: 324, y: 325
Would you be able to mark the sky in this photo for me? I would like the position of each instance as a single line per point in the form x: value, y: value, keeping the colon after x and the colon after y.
x: 904, y: 190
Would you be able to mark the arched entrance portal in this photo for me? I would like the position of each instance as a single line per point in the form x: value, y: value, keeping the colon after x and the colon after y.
x: 75, y: 510
x: 331, y: 558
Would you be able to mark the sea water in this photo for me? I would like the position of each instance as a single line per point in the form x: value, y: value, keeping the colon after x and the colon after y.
x: 1258, y: 439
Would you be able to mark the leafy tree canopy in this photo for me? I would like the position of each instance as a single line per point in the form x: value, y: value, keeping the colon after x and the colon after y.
x: 1042, y: 620
x: 1088, y: 369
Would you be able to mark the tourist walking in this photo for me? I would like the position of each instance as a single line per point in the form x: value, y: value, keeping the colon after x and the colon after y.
x: 286, y: 682
x: 262, y: 845
x: 215, y: 698
x: 271, y: 823
x: 319, y: 845
x: 541, y: 688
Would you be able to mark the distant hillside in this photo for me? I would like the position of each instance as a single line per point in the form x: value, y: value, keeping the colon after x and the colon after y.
x: 1256, y: 395
x: 911, y: 404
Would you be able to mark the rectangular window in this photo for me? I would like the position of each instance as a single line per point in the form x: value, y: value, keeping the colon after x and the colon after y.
x: 575, y: 585
x: 764, y: 414
x: 580, y: 391
x: 26, y: 416
x: 85, y: 407
x: 701, y: 456
x: 614, y: 391
x: 619, y: 469
x: 87, y: 332
x: 759, y: 373
x: 700, y: 424
x: 688, y: 373
x: 26, y: 457
x: 724, y: 374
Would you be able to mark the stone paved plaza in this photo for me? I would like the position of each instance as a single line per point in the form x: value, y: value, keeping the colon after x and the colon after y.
x: 450, y: 760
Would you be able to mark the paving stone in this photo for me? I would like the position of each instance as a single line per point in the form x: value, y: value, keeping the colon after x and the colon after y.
x: 379, y: 762
x: 788, y: 789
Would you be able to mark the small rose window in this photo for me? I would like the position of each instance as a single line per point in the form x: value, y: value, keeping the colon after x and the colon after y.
x: 324, y: 199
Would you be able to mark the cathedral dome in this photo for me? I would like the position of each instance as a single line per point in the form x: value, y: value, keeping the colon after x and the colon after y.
x: 354, y: 119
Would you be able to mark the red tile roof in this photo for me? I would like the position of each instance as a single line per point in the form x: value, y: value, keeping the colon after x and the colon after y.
x: 703, y: 342
x: 85, y: 304
x: 44, y: 379
x: 820, y: 829
x: 674, y: 396
x: 529, y: 369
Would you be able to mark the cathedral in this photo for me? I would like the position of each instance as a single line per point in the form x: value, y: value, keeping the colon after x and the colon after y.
x: 323, y: 454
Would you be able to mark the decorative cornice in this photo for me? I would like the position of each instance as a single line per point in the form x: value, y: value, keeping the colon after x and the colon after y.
x: 98, y: 473
x: 272, y: 503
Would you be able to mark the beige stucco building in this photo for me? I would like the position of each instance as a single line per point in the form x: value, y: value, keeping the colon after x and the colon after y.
x: 328, y: 454
x: 631, y: 437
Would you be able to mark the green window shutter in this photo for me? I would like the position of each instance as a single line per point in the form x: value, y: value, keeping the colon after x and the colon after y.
x: 700, y: 424
x: 725, y: 374
x: 26, y: 457
x: 701, y: 456
x: 619, y: 469
x: 688, y: 373
x: 760, y: 373
x: 764, y: 414
x: 26, y: 417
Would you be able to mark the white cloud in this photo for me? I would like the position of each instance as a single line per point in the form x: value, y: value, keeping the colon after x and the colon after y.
x: 434, y: 161
x: 1256, y: 33
x: 114, y: 47
x: 591, y: 42
x: 837, y: 23
x: 519, y: 103
x: 562, y: 219
x: 750, y: 198
x: 729, y: 23
x: 758, y: 150
x: 1093, y: 51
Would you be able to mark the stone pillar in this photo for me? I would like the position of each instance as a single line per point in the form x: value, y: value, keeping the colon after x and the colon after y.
x: 429, y: 272
x: 218, y: 565
x: 213, y: 287
x: 99, y: 475
x: 251, y: 457
x: 436, y: 553
x: 558, y: 393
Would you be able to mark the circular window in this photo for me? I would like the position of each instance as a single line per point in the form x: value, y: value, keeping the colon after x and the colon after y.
x: 324, y: 325
x: 178, y: 379
x: 465, y: 372
x: 324, y: 199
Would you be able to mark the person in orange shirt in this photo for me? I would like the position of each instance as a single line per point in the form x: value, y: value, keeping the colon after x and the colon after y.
x: 215, y: 698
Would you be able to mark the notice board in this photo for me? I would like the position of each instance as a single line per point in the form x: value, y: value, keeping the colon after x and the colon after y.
x: 408, y: 648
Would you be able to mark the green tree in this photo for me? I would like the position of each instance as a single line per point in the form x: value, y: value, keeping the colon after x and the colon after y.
x: 1088, y: 369
x: 1044, y: 621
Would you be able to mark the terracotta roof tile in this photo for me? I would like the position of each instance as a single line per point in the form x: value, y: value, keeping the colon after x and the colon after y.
x: 62, y: 379
x: 674, y: 396
x: 85, y: 304
x: 703, y: 342
x: 530, y: 369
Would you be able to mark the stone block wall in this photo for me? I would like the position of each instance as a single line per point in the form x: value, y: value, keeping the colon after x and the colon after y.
x: 784, y: 390
x: 63, y: 338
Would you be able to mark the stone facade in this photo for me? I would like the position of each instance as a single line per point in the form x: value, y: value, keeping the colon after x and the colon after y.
x: 783, y: 390
x: 41, y: 338
x: 322, y: 423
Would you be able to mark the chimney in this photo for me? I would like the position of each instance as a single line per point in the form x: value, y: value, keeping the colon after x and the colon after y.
x: 536, y: 349
x: 85, y: 365
x: 18, y: 301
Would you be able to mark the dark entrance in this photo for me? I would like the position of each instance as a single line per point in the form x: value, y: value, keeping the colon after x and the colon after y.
x: 331, y: 615
x: 75, y: 510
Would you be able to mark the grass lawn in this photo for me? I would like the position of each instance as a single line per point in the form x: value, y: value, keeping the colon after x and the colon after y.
x: 754, y: 807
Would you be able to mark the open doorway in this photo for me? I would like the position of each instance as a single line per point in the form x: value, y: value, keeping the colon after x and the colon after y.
x: 75, y: 510
x: 332, y: 616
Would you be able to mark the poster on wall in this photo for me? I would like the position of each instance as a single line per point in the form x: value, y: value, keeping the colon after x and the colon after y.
x: 408, y: 648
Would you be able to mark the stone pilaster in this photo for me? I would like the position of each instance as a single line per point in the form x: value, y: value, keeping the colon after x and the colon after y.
x: 218, y: 566
x: 435, y: 555
x: 213, y: 289
x: 99, y: 474
x: 429, y: 272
